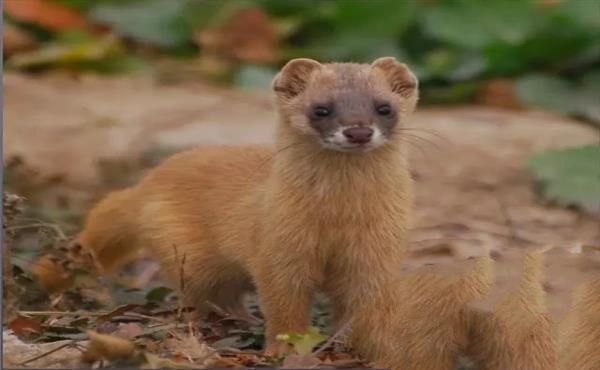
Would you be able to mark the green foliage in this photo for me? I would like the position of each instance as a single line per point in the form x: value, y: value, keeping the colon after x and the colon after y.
x: 454, y: 46
x: 569, y: 177
x: 552, y: 93
x: 158, y: 294
x: 79, y: 50
x: 473, y: 24
x: 304, y: 343
x: 160, y: 22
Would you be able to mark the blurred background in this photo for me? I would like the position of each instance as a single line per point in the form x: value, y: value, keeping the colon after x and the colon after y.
x: 506, y: 53
x: 505, y: 148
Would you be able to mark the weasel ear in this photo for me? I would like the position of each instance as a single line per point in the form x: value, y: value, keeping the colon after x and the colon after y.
x: 294, y: 76
x: 399, y: 76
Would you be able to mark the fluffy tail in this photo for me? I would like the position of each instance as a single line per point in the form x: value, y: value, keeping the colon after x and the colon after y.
x: 111, y: 233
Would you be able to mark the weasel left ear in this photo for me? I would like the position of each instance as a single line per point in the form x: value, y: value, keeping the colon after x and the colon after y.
x: 400, y: 77
x: 294, y: 76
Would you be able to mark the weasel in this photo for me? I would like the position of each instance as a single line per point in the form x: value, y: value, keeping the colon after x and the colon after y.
x: 326, y: 210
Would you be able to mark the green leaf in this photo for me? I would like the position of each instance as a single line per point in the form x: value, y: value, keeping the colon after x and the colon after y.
x: 583, y: 12
x: 303, y: 344
x: 254, y: 77
x: 569, y: 177
x: 159, y: 22
x: 589, y: 98
x: 546, y: 92
x: 376, y: 19
x: 158, y: 294
x: 353, y: 47
x: 555, y: 94
x: 474, y: 24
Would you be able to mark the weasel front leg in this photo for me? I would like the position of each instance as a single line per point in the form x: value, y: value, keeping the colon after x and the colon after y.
x: 285, y: 286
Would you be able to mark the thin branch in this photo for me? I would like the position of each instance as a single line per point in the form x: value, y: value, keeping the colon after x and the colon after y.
x: 70, y: 343
x: 142, y: 316
x: 61, y: 313
x: 332, y: 339
x: 52, y: 227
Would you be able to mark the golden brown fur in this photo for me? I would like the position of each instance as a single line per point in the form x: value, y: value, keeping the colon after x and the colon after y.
x: 428, y: 329
x: 518, y: 333
x: 579, y: 342
x: 291, y: 222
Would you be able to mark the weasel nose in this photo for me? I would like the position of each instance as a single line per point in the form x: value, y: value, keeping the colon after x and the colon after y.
x: 358, y: 135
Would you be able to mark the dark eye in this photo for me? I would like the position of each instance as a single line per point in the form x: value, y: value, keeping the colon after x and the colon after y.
x: 384, y: 109
x: 321, y: 112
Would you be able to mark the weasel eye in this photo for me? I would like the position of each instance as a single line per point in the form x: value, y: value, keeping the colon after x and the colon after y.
x: 321, y: 112
x: 384, y: 110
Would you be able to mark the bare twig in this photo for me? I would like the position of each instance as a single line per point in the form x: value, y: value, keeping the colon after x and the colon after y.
x: 142, y: 316
x: 61, y: 313
x: 61, y: 235
x: 70, y: 343
x: 332, y: 339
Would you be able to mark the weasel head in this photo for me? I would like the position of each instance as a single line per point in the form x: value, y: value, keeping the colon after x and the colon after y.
x: 346, y: 107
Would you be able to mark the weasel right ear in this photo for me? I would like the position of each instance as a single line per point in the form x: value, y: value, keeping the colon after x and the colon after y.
x: 400, y: 77
x: 294, y: 76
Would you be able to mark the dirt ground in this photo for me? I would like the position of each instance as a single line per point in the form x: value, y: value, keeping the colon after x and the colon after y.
x: 474, y: 195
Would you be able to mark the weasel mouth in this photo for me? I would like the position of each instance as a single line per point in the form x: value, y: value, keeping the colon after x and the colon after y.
x: 350, y: 147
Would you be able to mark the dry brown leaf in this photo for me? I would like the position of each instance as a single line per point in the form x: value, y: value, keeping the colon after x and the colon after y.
x: 155, y: 362
x: 46, y: 14
x: 129, y: 330
x: 15, y: 39
x: 247, y: 36
x: 300, y: 362
x: 191, y: 348
x: 25, y: 327
x: 500, y: 93
x: 108, y: 347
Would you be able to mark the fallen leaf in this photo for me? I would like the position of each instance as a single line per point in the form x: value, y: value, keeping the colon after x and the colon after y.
x: 191, y: 348
x: 155, y: 362
x: 25, y: 327
x: 46, y: 14
x: 306, y: 361
x: 129, y: 330
x: 108, y: 347
x: 500, y: 93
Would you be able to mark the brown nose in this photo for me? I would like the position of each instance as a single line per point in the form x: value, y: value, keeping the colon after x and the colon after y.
x: 358, y: 135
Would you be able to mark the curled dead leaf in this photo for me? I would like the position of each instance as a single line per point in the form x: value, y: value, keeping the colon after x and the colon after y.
x: 249, y: 36
x: 108, y: 347
x: 46, y: 14
x: 15, y: 40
